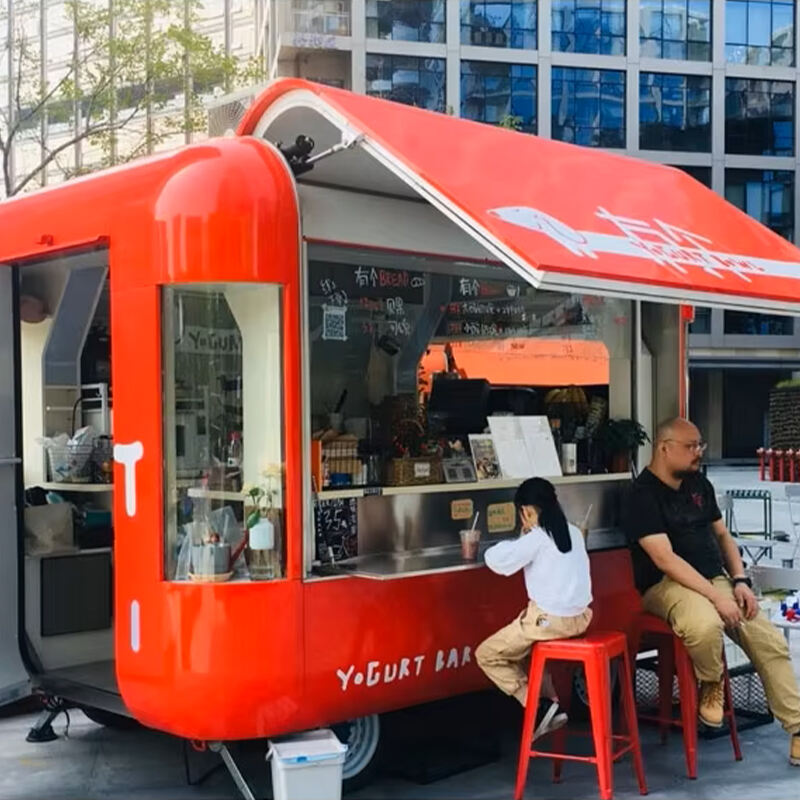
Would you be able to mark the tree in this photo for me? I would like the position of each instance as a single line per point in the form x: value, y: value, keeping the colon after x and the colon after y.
x: 511, y: 122
x: 138, y: 74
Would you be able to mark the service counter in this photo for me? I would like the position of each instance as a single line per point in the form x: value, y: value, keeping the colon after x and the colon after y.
x: 411, y: 531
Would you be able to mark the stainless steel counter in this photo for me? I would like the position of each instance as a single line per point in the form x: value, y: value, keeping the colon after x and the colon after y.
x: 410, y: 563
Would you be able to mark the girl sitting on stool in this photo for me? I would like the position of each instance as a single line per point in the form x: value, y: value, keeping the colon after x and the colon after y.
x: 552, y: 554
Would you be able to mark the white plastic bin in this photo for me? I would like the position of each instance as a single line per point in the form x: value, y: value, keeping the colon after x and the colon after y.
x: 307, y: 766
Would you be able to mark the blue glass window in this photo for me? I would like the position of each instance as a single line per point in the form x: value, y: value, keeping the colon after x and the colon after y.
x: 766, y: 195
x: 407, y: 79
x: 588, y: 106
x: 750, y: 324
x: 589, y: 26
x: 679, y: 29
x: 493, y: 92
x: 759, y: 32
x: 759, y: 117
x: 487, y: 23
x: 406, y: 20
x: 674, y: 112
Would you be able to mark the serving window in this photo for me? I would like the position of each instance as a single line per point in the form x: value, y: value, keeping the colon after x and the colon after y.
x: 413, y: 361
x: 223, y: 438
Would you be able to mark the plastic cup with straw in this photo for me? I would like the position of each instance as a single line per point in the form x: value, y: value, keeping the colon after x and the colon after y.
x: 470, y: 538
x: 584, y: 526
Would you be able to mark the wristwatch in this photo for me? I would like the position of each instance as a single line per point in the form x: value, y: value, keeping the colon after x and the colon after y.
x: 746, y: 581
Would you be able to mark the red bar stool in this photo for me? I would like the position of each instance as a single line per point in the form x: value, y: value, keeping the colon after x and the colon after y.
x: 595, y: 652
x: 673, y: 658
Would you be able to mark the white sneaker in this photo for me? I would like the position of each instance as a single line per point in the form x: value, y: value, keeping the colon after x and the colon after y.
x: 551, y: 721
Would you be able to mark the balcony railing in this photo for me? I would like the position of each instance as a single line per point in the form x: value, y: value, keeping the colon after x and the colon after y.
x: 321, y: 23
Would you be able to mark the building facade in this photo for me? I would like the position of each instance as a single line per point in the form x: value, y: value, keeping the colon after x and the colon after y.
x: 709, y: 86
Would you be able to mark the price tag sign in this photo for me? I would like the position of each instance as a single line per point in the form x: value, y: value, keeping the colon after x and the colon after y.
x: 461, y: 509
x: 502, y: 517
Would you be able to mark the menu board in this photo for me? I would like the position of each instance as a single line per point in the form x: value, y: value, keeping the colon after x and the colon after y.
x: 336, y: 527
x: 363, y: 301
x: 484, y: 309
x: 354, y: 282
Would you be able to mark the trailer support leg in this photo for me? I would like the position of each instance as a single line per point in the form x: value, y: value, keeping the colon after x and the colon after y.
x: 42, y: 730
x: 238, y: 778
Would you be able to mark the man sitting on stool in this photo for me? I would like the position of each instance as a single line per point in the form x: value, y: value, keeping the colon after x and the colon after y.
x: 679, y: 544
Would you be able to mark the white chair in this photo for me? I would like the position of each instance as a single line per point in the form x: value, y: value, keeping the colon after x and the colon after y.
x: 793, y: 501
x: 756, y: 548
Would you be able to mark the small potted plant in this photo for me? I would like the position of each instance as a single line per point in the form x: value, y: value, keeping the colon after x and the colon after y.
x: 620, y: 440
x: 262, y: 519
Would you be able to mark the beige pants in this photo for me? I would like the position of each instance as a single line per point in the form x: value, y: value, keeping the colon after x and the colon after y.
x: 695, y: 620
x: 504, y: 655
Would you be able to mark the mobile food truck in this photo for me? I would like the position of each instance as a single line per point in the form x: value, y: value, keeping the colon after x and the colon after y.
x: 270, y: 325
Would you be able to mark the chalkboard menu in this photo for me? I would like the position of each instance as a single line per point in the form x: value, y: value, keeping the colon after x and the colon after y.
x: 353, y: 282
x: 485, y: 309
x: 336, y: 527
x: 362, y: 301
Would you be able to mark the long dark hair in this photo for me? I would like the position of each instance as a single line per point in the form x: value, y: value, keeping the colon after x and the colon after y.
x: 542, y: 494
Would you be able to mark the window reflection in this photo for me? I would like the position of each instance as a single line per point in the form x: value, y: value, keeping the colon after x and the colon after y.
x: 679, y: 29
x: 747, y: 324
x: 406, y: 20
x: 495, y: 93
x: 407, y: 79
x: 674, y: 112
x: 588, y: 107
x: 759, y: 117
x: 759, y: 32
x: 486, y: 23
x: 766, y: 195
x: 589, y: 26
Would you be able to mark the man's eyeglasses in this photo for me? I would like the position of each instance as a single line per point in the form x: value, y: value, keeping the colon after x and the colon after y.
x: 698, y: 447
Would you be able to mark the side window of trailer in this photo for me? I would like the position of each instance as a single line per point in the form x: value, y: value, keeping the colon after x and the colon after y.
x: 223, y: 432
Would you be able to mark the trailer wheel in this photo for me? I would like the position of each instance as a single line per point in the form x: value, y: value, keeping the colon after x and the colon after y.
x: 363, y: 738
x: 109, y: 719
x: 580, y: 691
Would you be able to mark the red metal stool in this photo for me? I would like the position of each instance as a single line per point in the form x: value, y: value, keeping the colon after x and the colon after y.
x: 673, y: 658
x: 595, y: 652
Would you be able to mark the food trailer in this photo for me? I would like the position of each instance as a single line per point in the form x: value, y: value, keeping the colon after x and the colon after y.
x: 251, y: 319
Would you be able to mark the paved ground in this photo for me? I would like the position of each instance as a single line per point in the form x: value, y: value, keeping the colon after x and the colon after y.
x: 95, y: 763
x: 98, y: 764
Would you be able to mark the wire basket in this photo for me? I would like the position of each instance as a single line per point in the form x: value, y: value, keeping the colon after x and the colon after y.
x: 71, y: 463
x: 103, y: 460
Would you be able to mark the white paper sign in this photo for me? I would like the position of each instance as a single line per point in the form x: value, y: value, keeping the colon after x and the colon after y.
x: 525, y: 446
x: 540, y: 445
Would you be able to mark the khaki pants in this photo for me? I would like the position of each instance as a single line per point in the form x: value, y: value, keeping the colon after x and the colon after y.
x: 695, y: 620
x: 504, y: 654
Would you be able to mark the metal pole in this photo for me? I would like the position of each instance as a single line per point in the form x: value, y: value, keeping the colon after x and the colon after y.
x: 238, y: 778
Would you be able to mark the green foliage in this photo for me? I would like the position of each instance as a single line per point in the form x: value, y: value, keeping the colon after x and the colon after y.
x: 511, y: 122
x: 139, y: 74
x: 621, y: 436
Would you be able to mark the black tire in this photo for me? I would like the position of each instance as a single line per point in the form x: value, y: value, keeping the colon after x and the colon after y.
x: 109, y: 719
x: 363, y: 739
x: 579, y: 710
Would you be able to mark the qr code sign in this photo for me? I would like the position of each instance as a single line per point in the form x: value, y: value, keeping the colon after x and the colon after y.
x: 334, y: 323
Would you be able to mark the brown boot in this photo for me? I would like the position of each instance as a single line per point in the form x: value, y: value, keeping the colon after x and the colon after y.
x: 711, y: 704
x: 794, y: 750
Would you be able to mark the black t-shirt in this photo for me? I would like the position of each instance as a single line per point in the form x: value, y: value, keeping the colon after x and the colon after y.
x: 685, y: 515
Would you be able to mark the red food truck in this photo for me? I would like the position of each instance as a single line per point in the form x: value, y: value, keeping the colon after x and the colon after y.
x: 247, y: 317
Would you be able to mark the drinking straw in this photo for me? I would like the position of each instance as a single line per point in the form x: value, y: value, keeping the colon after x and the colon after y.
x: 475, y: 521
x: 588, y: 514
